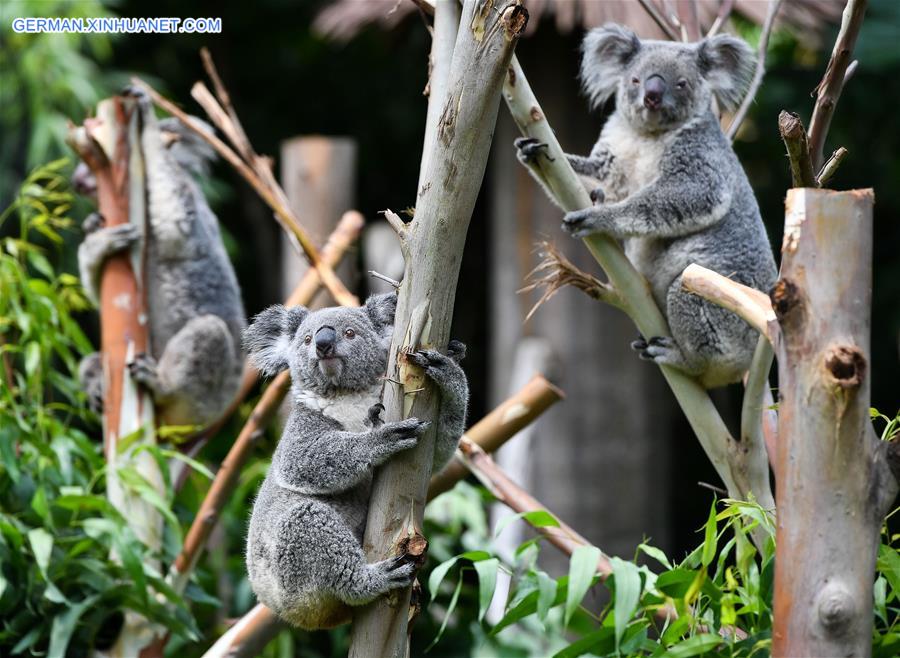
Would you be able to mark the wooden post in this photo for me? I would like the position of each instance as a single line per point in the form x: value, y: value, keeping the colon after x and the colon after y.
x: 834, y: 480
x: 318, y: 175
x: 433, y: 245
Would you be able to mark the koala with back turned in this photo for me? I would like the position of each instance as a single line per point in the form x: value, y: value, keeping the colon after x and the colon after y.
x: 304, y: 549
x: 672, y: 188
x: 194, y: 303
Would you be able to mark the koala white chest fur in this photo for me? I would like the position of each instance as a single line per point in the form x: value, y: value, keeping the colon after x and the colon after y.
x: 350, y: 409
x: 637, y: 157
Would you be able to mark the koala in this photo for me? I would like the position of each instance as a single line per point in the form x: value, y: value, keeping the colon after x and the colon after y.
x: 671, y: 187
x: 195, y: 311
x: 304, y: 549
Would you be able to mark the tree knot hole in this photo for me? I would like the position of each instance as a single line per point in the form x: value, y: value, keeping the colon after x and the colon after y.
x: 836, y: 608
x: 515, y: 18
x: 846, y: 366
x: 785, y: 296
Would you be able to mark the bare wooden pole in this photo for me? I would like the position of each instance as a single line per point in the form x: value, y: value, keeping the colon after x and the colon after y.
x: 829, y: 90
x: 834, y: 479
x: 110, y: 145
x: 488, y: 33
x: 743, y: 469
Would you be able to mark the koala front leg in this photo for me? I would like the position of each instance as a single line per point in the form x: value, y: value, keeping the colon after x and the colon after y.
x: 90, y: 375
x: 317, y: 459
x: 98, y: 245
x: 667, y: 208
x: 197, y: 374
x: 451, y: 381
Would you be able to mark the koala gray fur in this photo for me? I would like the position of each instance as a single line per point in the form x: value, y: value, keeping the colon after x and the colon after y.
x: 194, y: 301
x: 304, y: 548
x: 672, y: 188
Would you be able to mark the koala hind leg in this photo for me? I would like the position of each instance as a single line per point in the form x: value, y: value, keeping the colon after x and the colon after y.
x: 197, y: 374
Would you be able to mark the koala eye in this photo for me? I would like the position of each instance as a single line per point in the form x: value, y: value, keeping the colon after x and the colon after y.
x: 635, y: 81
x: 307, y: 339
x: 349, y: 333
x: 681, y: 84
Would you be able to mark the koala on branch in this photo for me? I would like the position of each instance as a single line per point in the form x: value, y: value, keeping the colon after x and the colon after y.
x: 304, y: 550
x: 193, y: 297
x: 669, y: 185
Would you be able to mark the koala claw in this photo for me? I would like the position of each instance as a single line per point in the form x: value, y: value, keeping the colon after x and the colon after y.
x: 581, y: 223
x: 653, y: 348
x: 93, y: 222
x: 399, y: 571
x: 529, y: 149
x: 143, y: 370
x: 135, y: 92
x: 374, y: 416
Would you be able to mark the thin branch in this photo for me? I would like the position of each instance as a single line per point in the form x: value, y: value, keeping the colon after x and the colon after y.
x: 829, y: 89
x: 768, y: 24
x: 756, y: 416
x: 794, y: 137
x: 660, y: 19
x: 248, y: 636
x: 753, y: 306
x: 689, y: 18
x: 725, y: 7
x: 239, y: 139
x: 555, y: 272
x: 831, y: 166
x: 259, y: 177
x: 385, y: 278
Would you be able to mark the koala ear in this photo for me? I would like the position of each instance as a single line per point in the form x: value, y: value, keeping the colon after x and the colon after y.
x: 728, y: 64
x: 268, y: 338
x: 605, y: 53
x: 381, y: 309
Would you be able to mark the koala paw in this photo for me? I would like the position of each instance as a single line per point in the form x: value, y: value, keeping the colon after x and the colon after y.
x: 582, y: 223
x: 113, y: 239
x: 374, y: 416
x: 403, y: 435
x: 398, y: 572
x: 133, y: 91
x: 657, y: 348
x: 529, y: 148
x: 144, y: 371
x: 93, y: 223
x: 598, y: 196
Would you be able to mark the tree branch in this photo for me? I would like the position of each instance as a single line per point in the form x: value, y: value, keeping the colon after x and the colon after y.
x: 259, y: 175
x: 768, y: 24
x: 487, y: 36
x: 740, y: 470
x: 830, y: 166
x: 794, y: 137
x: 753, y: 306
x: 664, y: 24
x: 725, y: 7
x: 829, y: 89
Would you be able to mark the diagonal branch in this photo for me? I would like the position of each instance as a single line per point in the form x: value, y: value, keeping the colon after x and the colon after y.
x: 794, y: 136
x: 829, y: 89
x: 664, y: 24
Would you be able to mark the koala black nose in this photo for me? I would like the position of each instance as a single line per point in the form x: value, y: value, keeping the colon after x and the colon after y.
x: 654, y: 89
x: 326, y: 337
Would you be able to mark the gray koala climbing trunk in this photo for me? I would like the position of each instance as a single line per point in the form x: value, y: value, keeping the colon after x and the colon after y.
x: 834, y: 476
x: 433, y: 243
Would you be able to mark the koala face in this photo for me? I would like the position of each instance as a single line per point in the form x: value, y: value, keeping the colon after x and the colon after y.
x: 659, y: 85
x: 330, y: 350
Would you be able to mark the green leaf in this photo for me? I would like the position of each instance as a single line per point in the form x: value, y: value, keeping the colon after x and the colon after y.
x: 694, y: 646
x: 42, y: 546
x: 709, y: 540
x: 537, y: 518
x: 438, y: 573
x: 64, y: 624
x: 656, y: 554
x: 582, y: 569
x: 599, y: 643
x: 450, y: 609
x: 546, y: 594
x: 675, y: 583
x: 487, y: 583
x: 889, y: 566
x: 32, y: 357
x: 628, y: 594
